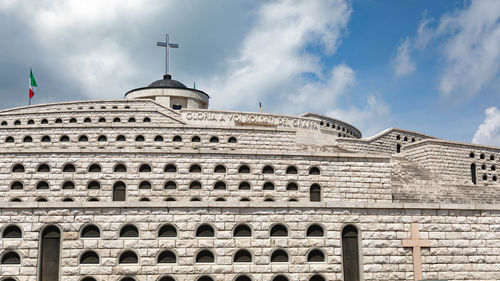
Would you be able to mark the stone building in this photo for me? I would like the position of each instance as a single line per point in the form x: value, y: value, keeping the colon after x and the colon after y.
x: 156, y: 187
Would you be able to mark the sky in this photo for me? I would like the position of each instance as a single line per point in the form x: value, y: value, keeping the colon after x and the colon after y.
x: 422, y: 65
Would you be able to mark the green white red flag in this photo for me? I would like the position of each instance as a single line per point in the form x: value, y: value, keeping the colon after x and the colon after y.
x: 32, y: 85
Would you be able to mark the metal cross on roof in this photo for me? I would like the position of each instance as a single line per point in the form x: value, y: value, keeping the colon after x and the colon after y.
x: 167, y: 46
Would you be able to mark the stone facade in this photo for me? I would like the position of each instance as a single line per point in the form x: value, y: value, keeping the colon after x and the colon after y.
x: 66, y: 166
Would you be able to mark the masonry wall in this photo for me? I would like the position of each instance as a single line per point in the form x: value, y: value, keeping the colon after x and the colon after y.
x: 341, y: 177
x: 464, y: 240
x: 384, y: 143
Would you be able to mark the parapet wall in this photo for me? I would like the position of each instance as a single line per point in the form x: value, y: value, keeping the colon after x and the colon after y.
x: 389, y: 141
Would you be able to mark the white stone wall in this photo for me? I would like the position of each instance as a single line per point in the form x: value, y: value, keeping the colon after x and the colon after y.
x: 464, y: 240
x: 342, y: 177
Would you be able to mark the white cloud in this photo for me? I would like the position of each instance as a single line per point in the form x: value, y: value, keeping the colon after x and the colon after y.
x: 469, y: 43
x: 402, y: 62
x: 274, y: 54
x: 489, y: 131
x: 372, y: 118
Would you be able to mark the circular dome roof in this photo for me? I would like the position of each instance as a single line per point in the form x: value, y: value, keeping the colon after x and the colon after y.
x: 167, y: 82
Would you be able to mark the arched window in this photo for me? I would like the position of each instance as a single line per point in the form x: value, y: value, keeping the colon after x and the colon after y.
x: 473, y: 173
x: 50, y: 251
x: 68, y: 185
x: 94, y: 168
x: 146, y: 120
x: 315, y: 193
x: 83, y: 138
x: 315, y: 255
x: 15, y: 199
x: 12, y: 231
x: 88, y: 278
x: 170, y: 199
x: 128, y: 279
x: 317, y: 277
x: 27, y: 139
x: 129, y: 231
x: 268, y: 186
x: 269, y: 199
x: 244, y: 169
x: 167, y: 256
x: 242, y: 230
x: 244, y: 199
x: 205, y: 256
x: 144, y: 199
x: 220, y: 185
x: 195, y: 168
x: 67, y: 199
x: 166, y: 278
x: 42, y: 185
x: 93, y: 199
x: 31, y: 122
x: 121, y: 138
x: 45, y: 139
x: 315, y: 230
x: 291, y: 170
x: 195, y: 199
x: 64, y: 138
x: 158, y: 138
x: 177, y: 139
x: 205, y: 278
x: 398, y: 148
x: 69, y: 168
x: 279, y: 230
x: 205, y: 230
x: 117, y: 120
x: 195, y: 185
x: 90, y: 231
x: 128, y: 257
x: 232, y: 140
x: 120, y: 168
x: 17, y: 185
x: 242, y: 256
x: 139, y: 138
x: 89, y: 257
x: 214, y: 139
x: 220, y: 169
x: 4, y: 123
x: 268, y: 170
x: 102, y: 120
x: 145, y: 168
x: 279, y: 256
x: 102, y: 138
x: 17, y: 122
x: 170, y: 168
x: 119, y: 191
x: 43, y: 168
x: 292, y: 186
x: 170, y: 185
x: 350, y: 253
x: 167, y: 230
x: 87, y: 120
x: 244, y: 186
x: 93, y: 185
x: 195, y: 139
x: 9, y: 139
x: 10, y: 257
x: 72, y: 120
x: 243, y: 278
x: 18, y: 168
x: 314, y: 171
x: 41, y: 199
x: 145, y: 185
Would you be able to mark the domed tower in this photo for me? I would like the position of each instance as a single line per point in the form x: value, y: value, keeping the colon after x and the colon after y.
x: 168, y: 92
x: 171, y: 93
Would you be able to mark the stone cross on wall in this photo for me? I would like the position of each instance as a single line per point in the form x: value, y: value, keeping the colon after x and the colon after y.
x: 416, y: 243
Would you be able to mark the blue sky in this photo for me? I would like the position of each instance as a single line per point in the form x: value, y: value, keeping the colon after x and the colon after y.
x: 427, y: 66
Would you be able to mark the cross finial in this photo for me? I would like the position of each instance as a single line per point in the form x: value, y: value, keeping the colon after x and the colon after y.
x: 167, y: 46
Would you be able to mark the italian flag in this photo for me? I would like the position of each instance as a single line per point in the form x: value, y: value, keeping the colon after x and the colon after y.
x: 32, y: 84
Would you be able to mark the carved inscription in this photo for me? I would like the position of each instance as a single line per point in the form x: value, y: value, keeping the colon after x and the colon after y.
x: 235, y: 119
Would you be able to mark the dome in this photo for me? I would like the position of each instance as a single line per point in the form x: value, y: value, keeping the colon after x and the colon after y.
x: 167, y: 82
